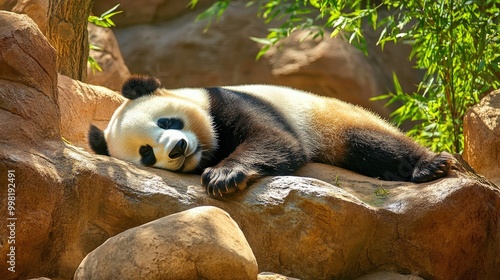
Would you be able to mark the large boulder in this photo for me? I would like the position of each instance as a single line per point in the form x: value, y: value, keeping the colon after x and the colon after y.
x: 35, y: 9
x: 181, y: 54
x: 326, y: 223
x: 146, y: 11
x: 106, y: 52
x: 200, y: 243
x: 482, y: 137
x: 28, y: 93
x: 83, y: 104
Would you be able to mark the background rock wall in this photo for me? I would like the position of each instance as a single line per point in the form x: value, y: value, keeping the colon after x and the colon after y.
x: 175, y: 48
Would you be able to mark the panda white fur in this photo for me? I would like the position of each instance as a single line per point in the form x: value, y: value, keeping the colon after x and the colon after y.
x: 234, y: 134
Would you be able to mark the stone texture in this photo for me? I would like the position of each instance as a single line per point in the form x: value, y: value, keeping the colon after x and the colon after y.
x: 114, y: 71
x: 83, y: 104
x: 482, y: 137
x: 147, y: 11
x: 299, y: 227
x: 273, y: 276
x: 7, y: 5
x: 387, y: 275
x: 181, y: 54
x: 35, y: 9
x: 338, y: 225
x: 200, y: 243
x: 327, y: 66
x: 28, y: 95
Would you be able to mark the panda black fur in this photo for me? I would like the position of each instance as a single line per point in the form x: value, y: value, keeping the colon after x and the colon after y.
x: 232, y: 135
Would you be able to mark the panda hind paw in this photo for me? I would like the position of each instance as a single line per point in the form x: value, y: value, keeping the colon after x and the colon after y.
x: 437, y: 167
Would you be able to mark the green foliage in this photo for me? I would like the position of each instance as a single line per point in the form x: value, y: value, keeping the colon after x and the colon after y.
x: 457, y: 42
x: 104, y: 21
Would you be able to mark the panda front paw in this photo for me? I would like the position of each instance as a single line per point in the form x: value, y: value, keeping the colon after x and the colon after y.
x: 225, y: 180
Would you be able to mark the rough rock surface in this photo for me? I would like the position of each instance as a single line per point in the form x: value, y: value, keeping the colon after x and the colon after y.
x: 387, y: 275
x: 273, y: 276
x: 109, y: 57
x: 35, y: 9
x: 340, y: 225
x: 180, y: 54
x: 27, y: 64
x: 482, y: 137
x: 146, y: 11
x: 200, y: 243
x: 82, y: 104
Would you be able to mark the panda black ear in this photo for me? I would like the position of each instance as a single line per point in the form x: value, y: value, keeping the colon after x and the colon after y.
x: 137, y: 86
x: 97, y: 141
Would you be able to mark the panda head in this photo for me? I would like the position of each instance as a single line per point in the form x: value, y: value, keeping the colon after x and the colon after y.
x: 155, y: 127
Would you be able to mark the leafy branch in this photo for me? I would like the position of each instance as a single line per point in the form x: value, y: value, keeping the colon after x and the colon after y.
x: 457, y: 43
x: 104, y: 20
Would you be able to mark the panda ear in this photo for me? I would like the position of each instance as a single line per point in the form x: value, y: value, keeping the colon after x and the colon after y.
x: 97, y: 141
x: 138, y: 86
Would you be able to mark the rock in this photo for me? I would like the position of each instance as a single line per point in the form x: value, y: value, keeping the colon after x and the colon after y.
x: 299, y: 227
x: 7, y: 5
x: 273, y: 276
x: 327, y: 66
x: 338, y: 225
x: 181, y: 54
x: 114, y: 71
x: 200, y: 243
x: 148, y: 11
x: 35, y: 9
x: 387, y: 275
x: 28, y: 91
x: 482, y: 137
x: 83, y: 104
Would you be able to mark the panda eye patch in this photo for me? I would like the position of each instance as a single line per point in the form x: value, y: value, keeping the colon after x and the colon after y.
x: 147, y: 155
x: 170, y: 123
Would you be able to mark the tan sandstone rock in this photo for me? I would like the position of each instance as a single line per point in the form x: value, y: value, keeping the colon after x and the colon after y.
x: 482, y: 137
x: 28, y: 94
x: 181, y: 54
x: 35, y: 9
x: 83, y: 104
x: 273, y: 276
x: 200, y: 243
x: 387, y: 275
x: 341, y: 225
x: 146, y: 11
x: 108, y: 56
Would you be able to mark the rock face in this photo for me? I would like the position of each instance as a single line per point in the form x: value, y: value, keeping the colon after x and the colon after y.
x: 200, y: 243
x: 482, y: 137
x: 338, y: 225
x: 178, y: 51
x: 108, y: 55
x: 27, y: 65
x: 35, y: 9
x: 94, y: 104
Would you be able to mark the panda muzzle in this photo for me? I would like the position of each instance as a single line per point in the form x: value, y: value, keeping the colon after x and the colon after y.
x: 178, y: 150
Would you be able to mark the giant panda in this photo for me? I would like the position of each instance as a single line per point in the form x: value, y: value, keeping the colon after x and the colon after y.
x: 235, y: 134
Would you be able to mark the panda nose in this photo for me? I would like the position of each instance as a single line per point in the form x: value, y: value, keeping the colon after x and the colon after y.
x: 178, y: 150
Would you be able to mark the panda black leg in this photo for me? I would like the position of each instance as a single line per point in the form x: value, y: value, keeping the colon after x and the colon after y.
x: 393, y: 157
